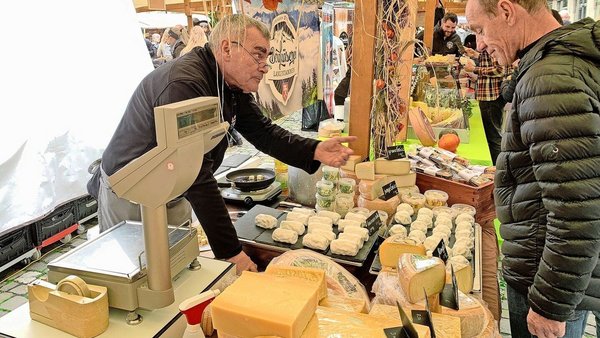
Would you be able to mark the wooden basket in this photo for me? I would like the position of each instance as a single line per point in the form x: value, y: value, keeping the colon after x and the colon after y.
x: 482, y: 198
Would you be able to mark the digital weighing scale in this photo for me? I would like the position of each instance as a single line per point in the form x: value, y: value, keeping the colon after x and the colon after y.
x: 136, y: 260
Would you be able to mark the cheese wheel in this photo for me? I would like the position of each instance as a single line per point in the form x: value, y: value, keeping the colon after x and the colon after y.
x: 416, y: 273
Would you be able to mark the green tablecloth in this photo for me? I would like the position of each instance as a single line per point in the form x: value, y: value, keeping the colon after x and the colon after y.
x: 476, y: 150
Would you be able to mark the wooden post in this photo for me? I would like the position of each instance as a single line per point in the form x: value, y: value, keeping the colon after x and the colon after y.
x: 361, y: 82
x: 188, y: 13
x: 430, y: 6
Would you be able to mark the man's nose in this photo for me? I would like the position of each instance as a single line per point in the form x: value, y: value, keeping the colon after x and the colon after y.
x: 480, y: 44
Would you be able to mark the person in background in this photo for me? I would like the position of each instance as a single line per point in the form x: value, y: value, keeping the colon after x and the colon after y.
x: 547, y: 185
x: 445, y: 39
x: 487, y: 93
x: 150, y: 47
x: 204, y: 24
x: 566, y: 17
x: 176, y: 40
x: 163, y: 53
x: 230, y: 67
x: 155, y: 41
x: 197, y: 39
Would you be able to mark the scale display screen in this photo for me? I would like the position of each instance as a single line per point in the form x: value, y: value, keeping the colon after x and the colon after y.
x: 191, y: 122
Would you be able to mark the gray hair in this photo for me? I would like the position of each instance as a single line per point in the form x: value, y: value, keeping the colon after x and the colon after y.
x: 531, y: 6
x: 233, y: 27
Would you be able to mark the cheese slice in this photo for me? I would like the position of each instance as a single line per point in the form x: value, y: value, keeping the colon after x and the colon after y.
x: 312, y: 275
x: 339, y: 323
x: 365, y: 170
x: 351, y: 162
x: 417, y: 272
x: 463, y: 272
x: 394, y: 167
x: 247, y: 308
x: 388, y: 206
x: 445, y: 326
x: 394, y: 246
x: 345, y: 303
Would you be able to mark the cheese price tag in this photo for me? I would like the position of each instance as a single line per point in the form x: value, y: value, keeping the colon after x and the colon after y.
x: 389, y: 190
x: 373, y: 222
x: 406, y: 331
x: 423, y: 317
x: 449, y: 295
x: 395, y: 152
x: 440, y: 251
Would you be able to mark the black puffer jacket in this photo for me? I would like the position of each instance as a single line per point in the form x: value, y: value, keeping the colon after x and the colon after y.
x: 548, y: 174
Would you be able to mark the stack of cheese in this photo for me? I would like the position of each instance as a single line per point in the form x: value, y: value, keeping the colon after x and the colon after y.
x: 376, y: 174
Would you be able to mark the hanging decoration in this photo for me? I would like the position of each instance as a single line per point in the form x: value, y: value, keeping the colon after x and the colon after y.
x: 393, y: 70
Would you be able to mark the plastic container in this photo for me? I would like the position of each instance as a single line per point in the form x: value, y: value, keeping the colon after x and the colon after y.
x: 325, y: 202
x: 436, y: 198
x: 331, y: 173
x: 325, y: 188
x: 463, y: 208
x: 408, y: 190
x: 417, y: 201
x: 346, y: 186
x: 343, y: 203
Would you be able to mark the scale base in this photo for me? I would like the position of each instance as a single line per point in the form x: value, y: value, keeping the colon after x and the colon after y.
x: 113, y: 260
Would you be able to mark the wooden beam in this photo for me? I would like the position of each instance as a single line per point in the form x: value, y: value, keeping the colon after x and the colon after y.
x: 361, y: 82
x: 429, y: 23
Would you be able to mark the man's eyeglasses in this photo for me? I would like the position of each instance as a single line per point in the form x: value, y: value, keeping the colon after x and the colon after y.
x: 258, y: 57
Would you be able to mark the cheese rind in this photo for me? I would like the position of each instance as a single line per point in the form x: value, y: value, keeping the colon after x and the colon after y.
x: 247, y: 308
x: 416, y: 272
x: 311, y: 275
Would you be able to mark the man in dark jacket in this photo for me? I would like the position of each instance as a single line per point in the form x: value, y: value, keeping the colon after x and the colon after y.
x: 230, y: 67
x: 548, y: 174
x: 445, y: 39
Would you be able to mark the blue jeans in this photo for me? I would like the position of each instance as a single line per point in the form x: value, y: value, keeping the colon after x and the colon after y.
x: 518, y: 307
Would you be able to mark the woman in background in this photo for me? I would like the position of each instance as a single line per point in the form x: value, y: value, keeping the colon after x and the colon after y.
x: 163, y: 53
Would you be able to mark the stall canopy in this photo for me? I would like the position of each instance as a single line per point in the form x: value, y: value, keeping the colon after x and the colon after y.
x: 184, y: 6
x: 164, y: 19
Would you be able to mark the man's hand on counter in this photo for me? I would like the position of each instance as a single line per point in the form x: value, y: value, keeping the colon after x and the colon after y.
x: 331, y: 152
x: 242, y: 263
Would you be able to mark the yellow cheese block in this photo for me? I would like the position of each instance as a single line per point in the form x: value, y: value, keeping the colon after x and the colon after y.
x: 365, y: 170
x: 394, y: 167
x: 351, y: 162
x: 464, y: 277
x: 262, y: 304
x: 311, y: 331
x: 313, y: 275
x: 339, y: 323
x: 394, y: 246
x: 388, y: 206
x: 345, y: 303
x: 373, y: 189
x: 445, y: 326
x: 417, y: 272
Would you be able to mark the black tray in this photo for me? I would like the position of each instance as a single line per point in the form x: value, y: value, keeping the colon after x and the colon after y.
x: 246, y: 227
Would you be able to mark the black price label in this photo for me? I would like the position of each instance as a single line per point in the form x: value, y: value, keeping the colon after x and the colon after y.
x: 449, y: 296
x: 395, y: 332
x: 389, y: 190
x: 428, y: 321
x: 406, y: 331
x: 440, y: 251
x: 373, y: 222
x: 395, y: 152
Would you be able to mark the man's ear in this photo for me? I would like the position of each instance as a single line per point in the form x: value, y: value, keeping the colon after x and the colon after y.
x: 225, y: 49
x: 506, y: 10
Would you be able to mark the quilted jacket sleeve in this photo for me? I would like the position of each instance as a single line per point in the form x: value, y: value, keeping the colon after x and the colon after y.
x: 560, y: 122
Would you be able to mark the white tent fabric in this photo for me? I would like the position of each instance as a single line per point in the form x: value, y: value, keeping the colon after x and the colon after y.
x: 66, y: 84
x: 164, y: 19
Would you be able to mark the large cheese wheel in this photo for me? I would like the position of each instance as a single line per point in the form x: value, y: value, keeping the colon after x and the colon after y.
x: 394, y: 246
x: 388, y: 206
x: 445, y: 326
x: 339, y: 281
x: 417, y: 273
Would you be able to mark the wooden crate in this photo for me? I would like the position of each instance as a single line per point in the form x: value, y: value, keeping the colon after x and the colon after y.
x: 482, y: 198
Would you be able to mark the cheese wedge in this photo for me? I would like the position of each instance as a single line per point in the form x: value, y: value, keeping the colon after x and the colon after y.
x: 351, y: 162
x: 394, y: 246
x: 365, y: 170
x: 417, y: 272
x: 394, y: 167
x: 388, y: 206
x: 247, y: 308
x: 463, y: 272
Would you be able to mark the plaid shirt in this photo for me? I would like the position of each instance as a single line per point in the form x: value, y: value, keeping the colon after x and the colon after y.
x: 489, y: 77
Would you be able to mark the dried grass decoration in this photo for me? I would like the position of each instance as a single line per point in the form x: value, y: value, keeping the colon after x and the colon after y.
x: 393, y: 70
